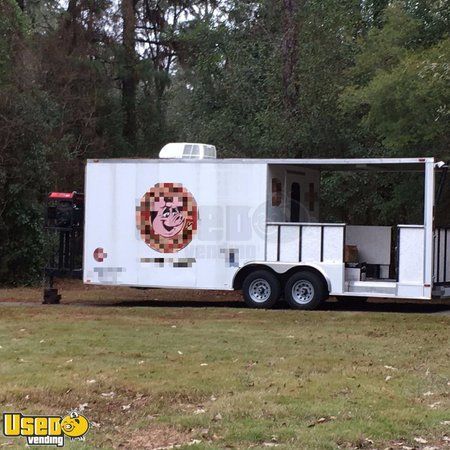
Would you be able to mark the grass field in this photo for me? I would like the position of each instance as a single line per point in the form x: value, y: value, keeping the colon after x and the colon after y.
x: 225, y: 377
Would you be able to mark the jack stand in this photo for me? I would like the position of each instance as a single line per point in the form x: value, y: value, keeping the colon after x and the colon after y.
x: 51, y: 296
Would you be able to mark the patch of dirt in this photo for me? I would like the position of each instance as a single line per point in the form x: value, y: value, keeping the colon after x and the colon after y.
x: 75, y: 292
x: 157, y: 437
x: 420, y: 443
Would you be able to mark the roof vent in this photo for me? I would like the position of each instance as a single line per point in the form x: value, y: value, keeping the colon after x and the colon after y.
x: 184, y: 150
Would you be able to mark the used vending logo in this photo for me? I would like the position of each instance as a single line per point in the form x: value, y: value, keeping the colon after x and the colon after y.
x: 167, y: 217
x: 45, y: 430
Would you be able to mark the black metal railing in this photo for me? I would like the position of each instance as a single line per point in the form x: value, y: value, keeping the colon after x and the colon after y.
x: 441, y: 258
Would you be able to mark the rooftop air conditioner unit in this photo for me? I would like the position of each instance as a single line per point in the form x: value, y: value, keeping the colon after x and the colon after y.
x: 184, y: 150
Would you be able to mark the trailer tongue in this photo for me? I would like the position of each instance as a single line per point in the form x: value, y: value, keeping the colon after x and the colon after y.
x: 64, y: 222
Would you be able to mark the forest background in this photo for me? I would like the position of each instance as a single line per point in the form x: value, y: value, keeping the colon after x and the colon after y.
x: 290, y: 78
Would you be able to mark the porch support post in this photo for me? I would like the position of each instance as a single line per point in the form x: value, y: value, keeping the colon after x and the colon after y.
x: 428, y: 227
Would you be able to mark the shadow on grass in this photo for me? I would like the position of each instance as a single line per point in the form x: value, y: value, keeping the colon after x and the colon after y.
x: 387, y: 306
x: 350, y: 305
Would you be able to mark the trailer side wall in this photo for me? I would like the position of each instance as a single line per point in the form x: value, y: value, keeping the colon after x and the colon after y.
x: 230, y: 213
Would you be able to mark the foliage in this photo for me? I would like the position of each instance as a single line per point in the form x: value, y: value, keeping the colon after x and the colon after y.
x: 402, y: 93
x: 378, y: 199
x: 301, y: 78
x: 24, y: 181
x: 230, y: 88
x: 12, y: 25
x: 396, y: 99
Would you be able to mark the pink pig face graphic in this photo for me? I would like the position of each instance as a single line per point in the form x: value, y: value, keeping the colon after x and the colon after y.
x: 166, y: 217
x: 169, y: 219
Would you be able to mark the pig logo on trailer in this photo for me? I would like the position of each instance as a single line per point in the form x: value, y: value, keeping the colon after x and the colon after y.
x: 167, y: 217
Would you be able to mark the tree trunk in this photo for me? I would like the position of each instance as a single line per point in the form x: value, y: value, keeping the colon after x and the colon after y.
x: 129, y: 78
x: 71, y: 25
x: 289, y: 53
x: 378, y: 7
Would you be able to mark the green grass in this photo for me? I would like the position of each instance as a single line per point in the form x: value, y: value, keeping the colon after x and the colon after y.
x: 314, y: 380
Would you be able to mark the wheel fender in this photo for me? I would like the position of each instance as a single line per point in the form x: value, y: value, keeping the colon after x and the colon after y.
x: 280, y: 268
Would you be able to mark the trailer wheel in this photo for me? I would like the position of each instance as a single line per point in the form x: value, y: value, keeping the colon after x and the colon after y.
x: 305, y: 290
x: 261, y: 289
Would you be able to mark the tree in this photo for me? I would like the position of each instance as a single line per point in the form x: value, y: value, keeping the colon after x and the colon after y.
x: 290, y: 54
x: 26, y: 117
x: 257, y: 85
x: 129, y: 75
x: 298, y: 78
x: 402, y: 89
x: 50, y: 97
x: 395, y: 105
x: 12, y: 28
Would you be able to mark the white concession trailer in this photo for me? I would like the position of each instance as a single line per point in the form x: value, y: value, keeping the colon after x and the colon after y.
x: 254, y: 225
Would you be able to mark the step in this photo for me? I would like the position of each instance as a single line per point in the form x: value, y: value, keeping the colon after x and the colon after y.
x: 372, y: 286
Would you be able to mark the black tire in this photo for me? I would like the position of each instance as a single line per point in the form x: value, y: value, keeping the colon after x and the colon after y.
x: 267, y: 284
x: 314, y: 286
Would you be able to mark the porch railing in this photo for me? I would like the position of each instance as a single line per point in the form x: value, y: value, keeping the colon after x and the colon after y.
x: 303, y: 241
x: 441, y: 260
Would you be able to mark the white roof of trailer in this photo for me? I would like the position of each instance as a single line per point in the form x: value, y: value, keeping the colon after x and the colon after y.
x: 380, y: 164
